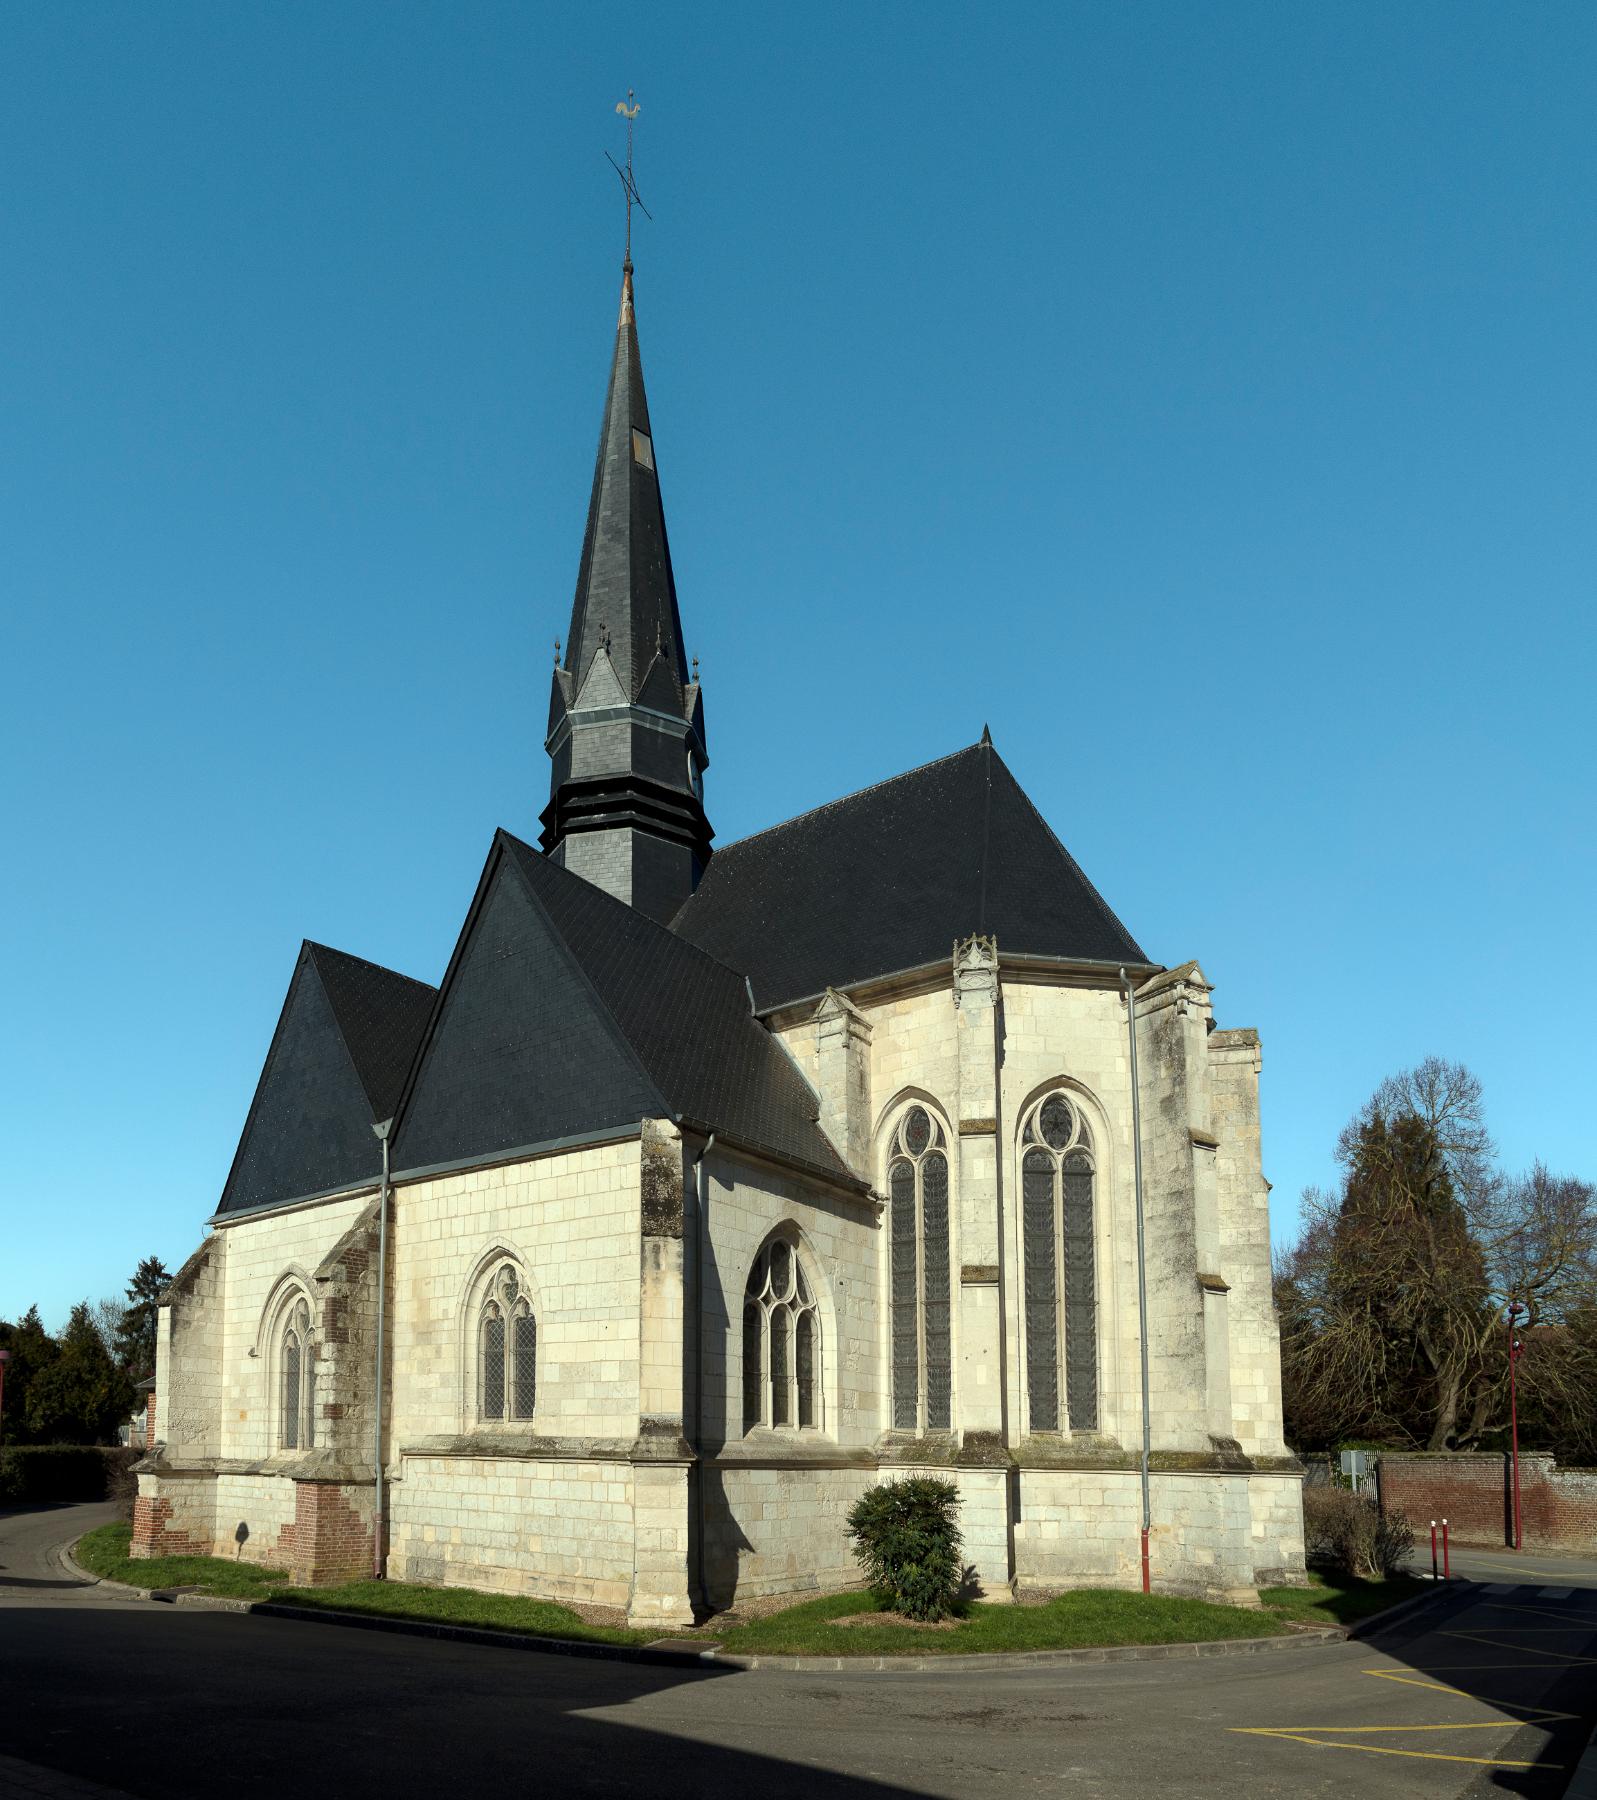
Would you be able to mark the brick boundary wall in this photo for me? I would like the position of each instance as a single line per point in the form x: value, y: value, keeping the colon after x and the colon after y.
x: 1475, y: 1494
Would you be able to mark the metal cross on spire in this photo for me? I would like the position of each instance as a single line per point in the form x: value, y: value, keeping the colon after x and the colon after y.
x: 629, y: 111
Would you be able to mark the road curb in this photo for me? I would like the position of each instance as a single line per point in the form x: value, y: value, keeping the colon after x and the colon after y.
x: 710, y: 1658
x: 1395, y: 1615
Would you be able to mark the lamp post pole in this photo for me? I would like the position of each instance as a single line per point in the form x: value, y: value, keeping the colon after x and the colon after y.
x: 1515, y: 1309
x: 5, y: 1357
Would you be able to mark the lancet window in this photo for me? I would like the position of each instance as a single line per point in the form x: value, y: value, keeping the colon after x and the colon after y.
x: 507, y: 1350
x: 297, y: 1364
x: 917, y: 1185
x: 781, y: 1342
x: 1056, y: 1201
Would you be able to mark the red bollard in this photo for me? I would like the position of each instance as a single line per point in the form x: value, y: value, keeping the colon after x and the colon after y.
x: 1433, y: 1550
x: 1447, y: 1574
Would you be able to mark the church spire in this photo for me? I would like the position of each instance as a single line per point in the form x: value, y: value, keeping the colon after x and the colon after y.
x: 626, y: 727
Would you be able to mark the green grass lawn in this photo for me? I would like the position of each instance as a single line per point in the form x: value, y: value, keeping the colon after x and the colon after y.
x: 1087, y: 1619
x: 1090, y: 1618
x: 1339, y: 1599
x: 105, y: 1552
x: 461, y: 1606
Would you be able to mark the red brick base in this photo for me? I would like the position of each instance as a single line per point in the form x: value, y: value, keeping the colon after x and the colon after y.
x: 153, y: 1535
x: 330, y: 1539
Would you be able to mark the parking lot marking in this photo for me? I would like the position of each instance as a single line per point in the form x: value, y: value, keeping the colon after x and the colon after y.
x: 1340, y: 1737
x: 1566, y: 1658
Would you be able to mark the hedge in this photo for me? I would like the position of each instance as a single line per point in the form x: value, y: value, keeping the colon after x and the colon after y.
x: 36, y: 1474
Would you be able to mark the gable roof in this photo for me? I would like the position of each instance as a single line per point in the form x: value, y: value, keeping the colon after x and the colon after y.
x: 566, y: 1013
x: 889, y: 878
x: 344, y: 1042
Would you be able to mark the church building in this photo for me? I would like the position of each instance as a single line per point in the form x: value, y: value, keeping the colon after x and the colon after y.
x: 713, y: 1186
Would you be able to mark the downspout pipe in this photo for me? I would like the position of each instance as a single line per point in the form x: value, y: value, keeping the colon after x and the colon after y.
x: 701, y: 1258
x: 379, y: 1559
x: 1142, y: 1267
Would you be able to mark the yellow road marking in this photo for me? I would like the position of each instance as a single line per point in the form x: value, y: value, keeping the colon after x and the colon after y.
x: 1483, y: 1762
x: 1577, y: 1621
x: 1475, y: 1637
x: 1340, y: 1737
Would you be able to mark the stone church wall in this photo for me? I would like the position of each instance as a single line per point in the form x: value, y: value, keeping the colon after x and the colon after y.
x: 263, y: 1255
x: 542, y: 1508
x: 775, y: 1501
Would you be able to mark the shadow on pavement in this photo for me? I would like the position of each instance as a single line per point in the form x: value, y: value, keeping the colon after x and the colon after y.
x: 184, y: 1705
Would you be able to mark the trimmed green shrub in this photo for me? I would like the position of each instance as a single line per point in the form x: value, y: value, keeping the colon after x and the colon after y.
x: 1348, y: 1533
x: 36, y: 1474
x: 906, y: 1539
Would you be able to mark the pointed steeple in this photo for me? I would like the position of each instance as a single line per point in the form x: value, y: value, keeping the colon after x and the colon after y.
x: 626, y: 600
x: 626, y: 726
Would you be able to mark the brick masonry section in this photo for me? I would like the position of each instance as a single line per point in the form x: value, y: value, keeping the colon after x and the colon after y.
x: 1475, y: 1494
x: 154, y: 1534
x: 330, y: 1539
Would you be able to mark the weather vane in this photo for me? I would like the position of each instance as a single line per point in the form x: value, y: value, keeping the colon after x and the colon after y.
x: 628, y: 186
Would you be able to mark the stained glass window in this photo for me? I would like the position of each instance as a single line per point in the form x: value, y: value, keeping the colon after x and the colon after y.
x: 507, y: 1348
x: 297, y: 1399
x: 917, y: 1186
x: 1057, y: 1234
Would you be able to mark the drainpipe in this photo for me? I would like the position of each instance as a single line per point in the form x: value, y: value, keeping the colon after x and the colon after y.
x: 378, y: 1559
x: 701, y: 1255
x: 1142, y: 1274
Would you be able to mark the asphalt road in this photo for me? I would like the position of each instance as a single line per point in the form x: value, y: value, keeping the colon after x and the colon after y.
x: 1488, y: 1693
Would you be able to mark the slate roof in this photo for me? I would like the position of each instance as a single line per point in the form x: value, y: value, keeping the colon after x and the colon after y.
x: 344, y: 1042
x: 566, y: 1013
x: 889, y: 878
x: 626, y: 594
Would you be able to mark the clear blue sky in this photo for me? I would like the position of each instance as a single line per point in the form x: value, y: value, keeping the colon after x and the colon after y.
x: 1203, y: 395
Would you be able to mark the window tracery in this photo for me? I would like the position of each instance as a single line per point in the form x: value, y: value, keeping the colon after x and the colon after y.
x: 297, y: 1366
x: 1056, y: 1199
x: 781, y: 1342
x: 917, y: 1185
x: 507, y: 1350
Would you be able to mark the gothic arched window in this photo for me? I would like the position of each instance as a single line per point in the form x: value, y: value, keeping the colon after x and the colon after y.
x: 297, y: 1362
x: 1056, y: 1202
x: 917, y: 1185
x: 507, y: 1350
x: 781, y: 1342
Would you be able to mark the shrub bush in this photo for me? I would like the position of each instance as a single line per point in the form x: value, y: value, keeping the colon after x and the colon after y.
x: 1348, y: 1533
x: 906, y: 1539
x: 36, y: 1474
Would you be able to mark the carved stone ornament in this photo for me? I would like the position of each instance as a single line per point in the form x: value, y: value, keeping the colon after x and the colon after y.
x: 976, y: 968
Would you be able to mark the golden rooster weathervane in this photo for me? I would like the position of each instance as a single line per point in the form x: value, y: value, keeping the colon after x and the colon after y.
x: 628, y: 186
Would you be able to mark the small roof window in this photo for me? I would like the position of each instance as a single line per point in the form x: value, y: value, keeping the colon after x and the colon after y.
x: 642, y: 449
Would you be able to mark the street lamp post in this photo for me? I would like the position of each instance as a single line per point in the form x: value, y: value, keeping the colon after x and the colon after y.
x: 5, y: 1357
x: 1517, y: 1313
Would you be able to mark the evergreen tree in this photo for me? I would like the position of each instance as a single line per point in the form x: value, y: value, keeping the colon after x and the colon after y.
x: 33, y: 1350
x: 82, y: 1397
x: 135, y: 1335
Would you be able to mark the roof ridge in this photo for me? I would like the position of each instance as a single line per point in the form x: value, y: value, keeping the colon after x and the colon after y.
x: 365, y: 962
x: 1086, y: 881
x: 842, y: 799
x: 632, y: 912
x: 601, y: 1005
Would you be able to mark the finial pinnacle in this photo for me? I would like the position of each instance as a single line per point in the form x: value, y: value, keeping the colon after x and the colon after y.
x: 557, y: 653
x: 987, y: 736
x: 629, y: 111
